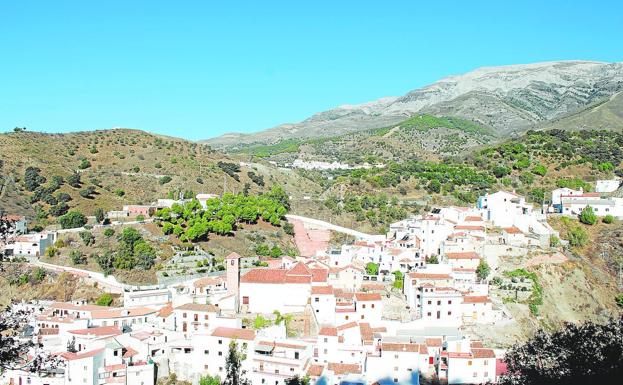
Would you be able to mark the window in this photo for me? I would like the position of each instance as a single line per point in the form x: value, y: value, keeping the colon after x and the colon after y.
x: 363, y: 306
x: 469, y: 363
x: 430, y: 302
x: 372, y: 306
x: 438, y: 303
x: 316, y: 299
x: 296, y: 355
x: 428, y: 314
x: 206, y: 352
x: 184, y: 315
x: 346, y: 318
x: 205, y: 317
x: 220, y: 354
x: 362, y: 316
x: 245, y: 300
x: 486, y: 363
x: 326, y: 339
x: 475, y: 374
x: 449, y: 302
x: 220, y: 342
x: 486, y: 374
x: 396, y: 356
x: 395, y: 368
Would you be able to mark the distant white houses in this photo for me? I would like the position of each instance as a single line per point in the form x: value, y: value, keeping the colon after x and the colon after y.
x: 607, y: 185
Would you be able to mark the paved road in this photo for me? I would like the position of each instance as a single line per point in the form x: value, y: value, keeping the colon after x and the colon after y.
x: 332, y: 227
x: 113, y: 223
x: 108, y: 282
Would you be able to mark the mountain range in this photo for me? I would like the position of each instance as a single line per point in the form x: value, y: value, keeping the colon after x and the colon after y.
x: 507, y: 100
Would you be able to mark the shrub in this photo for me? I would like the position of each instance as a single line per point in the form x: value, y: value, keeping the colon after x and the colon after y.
x: 72, y: 220
x: 109, y: 232
x: 288, y: 228
x: 608, y: 219
x: 87, y: 238
x: 165, y: 179
x: 77, y: 257
x: 577, y: 236
x: 587, y: 216
x: 372, y: 268
x: 104, y: 300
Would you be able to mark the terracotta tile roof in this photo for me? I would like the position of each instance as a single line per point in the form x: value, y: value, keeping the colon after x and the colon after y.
x: 208, y: 281
x: 282, y: 345
x: 165, y: 311
x: 457, y: 355
x: 433, y: 342
x: 122, y: 312
x: 298, y: 274
x: 315, y: 370
x: 512, y: 230
x: 347, y: 326
x: 264, y: 276
x: 71, y: 306
x: 483, y: 353
x: 339, y: 369
x: 469, y: 227
x: 476, y: 299
x: 78, y: 356
x: 463, y: 255
x: 433, y: 276
x: 98, y: 331
x: 198, y: 307
x: 234, y: 333
x: 397, y: 347
x: 326, y: 331
x: 476, y: 345
x: 328, y: 290
x: 349, y: 310
x: 319, y: 275
x: 129, y: 353
x: 473, y: 218
x: 373, y: 286
x: 299, y: 269
x: 233, y: 255
x: 366, y: 332
x: 367, y: 297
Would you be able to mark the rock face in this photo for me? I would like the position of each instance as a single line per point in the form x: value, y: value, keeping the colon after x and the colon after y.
x: 507, y: 99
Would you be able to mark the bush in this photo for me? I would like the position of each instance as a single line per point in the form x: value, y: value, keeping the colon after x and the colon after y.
x: 165, y: 179
x: 372, y: 268
x: 587, y: 216
x: 104, y: 300
x: 483, y: 270
x: 87, y: 238
x: 577, y: 236
x: 84, y: 164
x: 608, y: 219
x: 72, y: 220
x: 109, y: 232
x: 77, y: 257
x: 288, y: 228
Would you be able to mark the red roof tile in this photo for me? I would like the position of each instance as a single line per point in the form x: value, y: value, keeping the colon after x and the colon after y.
x: 463, y: 255
x: 234, y: 333
x: 339, y: 369
x: 328, y: 290
x: 328, y: 332
x: 367, y: 297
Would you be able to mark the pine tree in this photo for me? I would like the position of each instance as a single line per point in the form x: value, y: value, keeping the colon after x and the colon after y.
x: 233, y: 365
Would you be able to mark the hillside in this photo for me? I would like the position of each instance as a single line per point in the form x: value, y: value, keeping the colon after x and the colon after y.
x: 605, y: 115
x: 507, y: 99
x: 109, y: 168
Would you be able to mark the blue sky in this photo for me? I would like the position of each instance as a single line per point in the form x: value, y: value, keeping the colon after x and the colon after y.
x: 197, y: 69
